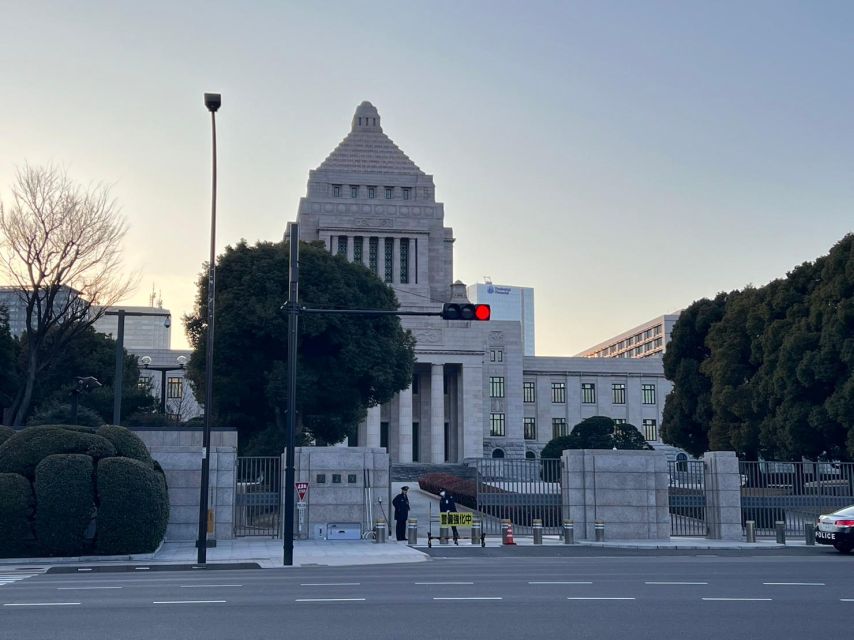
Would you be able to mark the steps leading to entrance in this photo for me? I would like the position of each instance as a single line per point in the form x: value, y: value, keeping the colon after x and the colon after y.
x: 411, y: 472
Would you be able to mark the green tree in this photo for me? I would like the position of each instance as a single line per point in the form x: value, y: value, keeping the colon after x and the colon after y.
x: 8, y: 363
x: 597, y: 432
x: 345, y: 363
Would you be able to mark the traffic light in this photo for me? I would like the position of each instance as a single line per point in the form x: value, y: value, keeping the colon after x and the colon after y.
x: 453, y: 311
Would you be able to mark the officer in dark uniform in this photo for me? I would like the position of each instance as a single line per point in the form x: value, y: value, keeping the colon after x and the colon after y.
x: 448, y: 504
x: 401, y: 513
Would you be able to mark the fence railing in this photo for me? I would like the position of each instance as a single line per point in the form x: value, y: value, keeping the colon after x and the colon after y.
x: 793, y: 492
x: 687, y: 498
x: 257, y: 496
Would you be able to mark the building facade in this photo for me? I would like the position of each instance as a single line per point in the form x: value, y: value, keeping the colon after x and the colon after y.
x: 471, y: 394
x: 508, y: 303
x: 643, y: 341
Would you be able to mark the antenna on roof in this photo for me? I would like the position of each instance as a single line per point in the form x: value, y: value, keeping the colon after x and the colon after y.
x: 487, y: 279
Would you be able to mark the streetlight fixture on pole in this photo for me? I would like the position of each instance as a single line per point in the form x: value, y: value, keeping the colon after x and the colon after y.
x: 120, y: 350
x: 213, y: 101
x: 146, y: 364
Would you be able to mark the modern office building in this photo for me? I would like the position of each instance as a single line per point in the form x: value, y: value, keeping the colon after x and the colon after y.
x: 15, y: 304
x: 149, y: 331
x: 643, y: 341
x: 508, y: 303
x: 474, y: 393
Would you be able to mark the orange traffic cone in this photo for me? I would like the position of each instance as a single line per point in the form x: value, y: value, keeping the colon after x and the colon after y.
x: 508, y: 533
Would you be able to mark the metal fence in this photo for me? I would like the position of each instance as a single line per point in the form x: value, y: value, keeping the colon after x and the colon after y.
x: 519, y: 490
x: 793, y: 492
x: 257, y: 496
x: 687, y: 498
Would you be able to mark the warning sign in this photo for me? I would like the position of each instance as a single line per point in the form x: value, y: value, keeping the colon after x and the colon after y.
x: 454, y: 519
x: 302, y: 489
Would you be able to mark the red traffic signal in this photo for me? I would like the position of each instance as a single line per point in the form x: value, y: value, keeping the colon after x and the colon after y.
x: 477, y: 312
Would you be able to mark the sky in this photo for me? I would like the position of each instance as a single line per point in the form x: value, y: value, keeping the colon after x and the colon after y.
x: 622, y: 158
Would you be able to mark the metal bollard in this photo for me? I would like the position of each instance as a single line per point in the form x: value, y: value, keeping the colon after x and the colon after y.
x: 444, y: 532
x: 750, y: 528
x: 380, y: 531
x: 537, y: 529
x: 412, y: 531
x: 599, y: 530
x: 476, y: 530
x: 780, y: 527
x: 809, y: 534
x: 568, y: 532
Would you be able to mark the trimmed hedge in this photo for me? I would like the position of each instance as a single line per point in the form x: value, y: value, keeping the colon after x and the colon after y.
x: 6, y: 433
x: 127, y: 443
x: 134, y: 509
x: 65, y: 496
x: 16, y: 509
x: 26, y: 449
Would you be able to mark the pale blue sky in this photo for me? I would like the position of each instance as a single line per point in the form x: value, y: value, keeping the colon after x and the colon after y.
x: 622, y: 158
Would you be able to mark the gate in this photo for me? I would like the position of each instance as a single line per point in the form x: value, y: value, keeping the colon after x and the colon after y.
x: 687, y: 498
x: 793, y: 492
x: 257, y: 496
x: 519, y: 490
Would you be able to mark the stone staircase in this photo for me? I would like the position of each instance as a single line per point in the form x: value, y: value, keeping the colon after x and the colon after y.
x: 412, y: 472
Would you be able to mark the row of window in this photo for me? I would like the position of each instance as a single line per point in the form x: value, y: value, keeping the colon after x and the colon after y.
x: 374, y: 252
x: 371, y: 191
x: 636, y: 345
x: 497, y: 424
x: 174, y: 386
x: 588, y: 392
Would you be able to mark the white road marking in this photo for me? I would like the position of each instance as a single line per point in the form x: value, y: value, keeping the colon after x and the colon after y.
x: 330, y: 584
x: 557, y: 582
x: 330, y: 599
x: 39, y: 604
x: 472, y: 598
x: 84, y: 588
x: 739, y: 599
x: 443, y: 583
x: 142, y: 568
x: 189, y: 601
x: 797, y: 584
x: 9, y: 578
x: 197, y: 586
x: 79, y: 569
x: 676, y: 583
x: 846, y: 599
x: 600, y: 598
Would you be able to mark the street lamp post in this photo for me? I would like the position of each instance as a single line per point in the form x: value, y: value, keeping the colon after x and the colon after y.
x: 120, y: 348
x: 82, y: 384
x: 146, y: 364
x: 213, y: 101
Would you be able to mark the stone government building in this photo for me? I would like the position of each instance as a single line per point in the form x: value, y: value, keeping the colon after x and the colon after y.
x: 474, y: 393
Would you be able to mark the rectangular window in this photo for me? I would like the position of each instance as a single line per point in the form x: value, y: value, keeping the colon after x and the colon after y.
x: 619, y: 421
x: 559, y: 429
x: 373, y: 249
x: 530, y: 428
x: 529, y: 392
x: 558, y: 392
x: 500, y: 356
x: 496, y: 386
x: 358, y: 241
x: 496, y: 424
x: 336, y: 190
x: 354, y: 191
x: 342, y: 246
x: 648, y: 393
x: 384, y: 434
x: 618, y: 393
x: 336, y: 478
x: 389, y: 259
x: 404, y: 260
x: 492, y: 355
x: 389, y: 192
x: 372, y: 192
x: 321, y: 478
x: 588, y: 393
x: 650, y: 429
x: 407, y: 192
x: 174, y: 388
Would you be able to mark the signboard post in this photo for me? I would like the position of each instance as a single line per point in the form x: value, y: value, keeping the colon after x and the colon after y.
x: 301, y: 489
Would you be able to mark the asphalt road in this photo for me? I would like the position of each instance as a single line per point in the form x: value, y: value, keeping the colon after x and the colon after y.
x: 700, y: 596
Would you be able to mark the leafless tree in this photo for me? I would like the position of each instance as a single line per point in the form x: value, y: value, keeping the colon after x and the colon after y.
x: 60, y: 250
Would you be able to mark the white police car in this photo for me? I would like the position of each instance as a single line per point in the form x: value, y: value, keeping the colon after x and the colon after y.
x: 837, y: 528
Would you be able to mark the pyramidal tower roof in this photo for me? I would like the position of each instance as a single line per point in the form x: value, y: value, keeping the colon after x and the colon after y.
x: 366, y: 149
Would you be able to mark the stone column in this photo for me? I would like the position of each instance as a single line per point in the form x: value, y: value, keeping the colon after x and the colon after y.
x: 395, y: 260
x: 471, y: 401
x: 350, y: 242
x: 373, y: 427
x: 437, y: 414
x: 404, y: 425
x: 723, y: 495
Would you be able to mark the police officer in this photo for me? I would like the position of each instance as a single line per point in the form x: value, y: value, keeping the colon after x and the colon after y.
x: 401, y: 513
x: 448, y: 504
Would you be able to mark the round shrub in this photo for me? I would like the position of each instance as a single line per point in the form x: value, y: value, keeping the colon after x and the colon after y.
x: 16, y: 509
x: 6, y: 433
x: 65, y: 496
x: 23, y: 451
x: 127, y: 443
x: 134, y: 507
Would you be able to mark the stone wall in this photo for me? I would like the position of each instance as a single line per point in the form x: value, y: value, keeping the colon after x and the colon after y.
x: 723, y: 495
x: 179, y: 452
x: 627, y: 490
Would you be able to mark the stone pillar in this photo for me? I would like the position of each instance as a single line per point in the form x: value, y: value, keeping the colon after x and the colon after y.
x: 404, y: 422
x: 471, y: 401
x: 373, y: 427
x: 395, y: 260
x: 437, y: 414
x: 723, y: 495
x: 350, y: 242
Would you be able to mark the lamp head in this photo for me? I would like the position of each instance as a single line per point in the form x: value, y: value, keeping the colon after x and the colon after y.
x: 167, y: 321
x: 182, y: 361
x: 213, y: 101
x: 145, y: 361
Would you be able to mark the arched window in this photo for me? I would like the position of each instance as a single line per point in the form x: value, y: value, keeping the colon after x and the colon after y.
x: 498, y: 453
x: 681, y: 462
x: 530, y: 455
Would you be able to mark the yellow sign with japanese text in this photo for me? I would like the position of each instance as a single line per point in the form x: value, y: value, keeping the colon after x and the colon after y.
x: 454, y: 519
